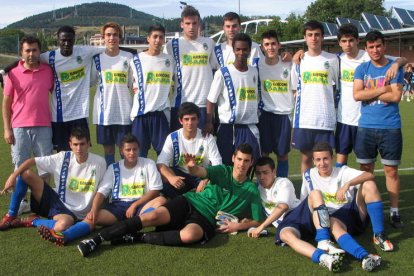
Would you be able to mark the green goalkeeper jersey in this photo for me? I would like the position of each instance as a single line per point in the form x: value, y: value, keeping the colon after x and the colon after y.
x: 224, y: 193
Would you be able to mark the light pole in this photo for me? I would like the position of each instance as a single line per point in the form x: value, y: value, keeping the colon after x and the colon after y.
x: 239, y: 7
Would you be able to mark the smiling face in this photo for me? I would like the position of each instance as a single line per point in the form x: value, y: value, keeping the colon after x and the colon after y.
x: 189, y: 122
x: 111, y: 38
x: 241, y: 164
x: 156, y: 40
x: 323, y: 162
x: 270, y: 47
x: 375, y: 49
x: 231, y: 28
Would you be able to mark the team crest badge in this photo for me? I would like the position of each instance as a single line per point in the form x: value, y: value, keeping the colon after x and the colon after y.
x: 285, y: 73
x: 167, y: 62
x: 79, y: 59
x: 126, y: 64
x: 326, y: 65
x: 254, y: 79
x: 205, y: 46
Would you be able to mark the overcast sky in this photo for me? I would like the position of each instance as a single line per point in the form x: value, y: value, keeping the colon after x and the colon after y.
x: 12, y: 11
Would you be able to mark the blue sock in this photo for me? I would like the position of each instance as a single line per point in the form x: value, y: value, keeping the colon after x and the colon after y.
x: 110, y: 159
x: 376, y: 213
x: 49, y: 223
x: 17, y: 196
x: 347, y: 243
x: 76, y: 231
x: 317, y: 255
x: 282, y: 169
x: 339, y: 165
x: 322, y: 234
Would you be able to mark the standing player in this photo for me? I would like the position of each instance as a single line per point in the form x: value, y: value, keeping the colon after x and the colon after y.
x: 194, y: 62
x: 112, y: 102
x: 71, y: 68
x: 190, y: 218
x: 153, y: 72
x: 276, y: 102
x: 315, y: 117
x: 379, y: 127
x: 348, y: 109
x: 130, y: 184
x: 235, y: 90
x: 186, y: 140
x: 77, y: 175
x: 224, y: 51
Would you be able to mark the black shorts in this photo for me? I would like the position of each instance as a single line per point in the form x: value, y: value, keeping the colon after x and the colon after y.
x: 183, y: 213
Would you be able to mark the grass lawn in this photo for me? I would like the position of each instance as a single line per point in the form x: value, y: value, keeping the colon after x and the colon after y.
x: 23, y: 252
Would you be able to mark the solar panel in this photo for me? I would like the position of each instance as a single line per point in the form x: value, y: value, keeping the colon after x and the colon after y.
x: 395, y: 24
x: 341, y: 21
x: 362, y: 26
x: 330, y: 29
x: 371, y: 20
x: 405, y: 17
x: 365, y: 27
x: 384, y: 23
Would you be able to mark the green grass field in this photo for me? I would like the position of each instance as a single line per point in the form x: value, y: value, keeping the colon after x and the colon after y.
x: 23, y: 252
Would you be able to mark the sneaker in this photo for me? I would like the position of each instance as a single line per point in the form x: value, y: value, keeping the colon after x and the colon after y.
x: 383, y: 242
x: 395, y: 220
x: 24, y: 207
x: 6, y: 222
x: 87, y: 246
x: 128, y: 239
x: 51, y: 235
x: 24, y: 222
x: 330, y: 247
x: 331, y: 262
x: 370, y: 262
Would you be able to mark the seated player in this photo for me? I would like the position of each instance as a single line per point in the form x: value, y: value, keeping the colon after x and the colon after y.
x: 277, y: 194
x: 77, y: 174
x: 190, y: 218
x: 188, y: 139
x: 130, y: 184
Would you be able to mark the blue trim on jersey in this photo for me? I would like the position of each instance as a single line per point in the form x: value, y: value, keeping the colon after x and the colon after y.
x: 259, y: 83
x: 219, y: 55
x: 97, y: 61
x: 338, y: 85
x: 141, y: 96
x: 176, y: 148
x: 298, y: 98
x: 176, y: 54
x: 58, y: 90
x: 117, y: 180
x: 63, y: 176
x: 230, y: 89
x: 308, y: 178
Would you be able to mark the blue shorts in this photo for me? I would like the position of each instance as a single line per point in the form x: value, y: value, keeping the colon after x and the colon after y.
x: 151, y: 128
x: 31, y: 140
x: 175, y: 123
x: 61, y: 133
x: 305, y: 138
x: 370, y: 141
x: 275, y: 133
x: 112, y: 134
x: 50, y: 204
x: 349, y: 215
x: 228, y: 140
x: 345, y: 138
x: 300, y: 219
x: 118, y: 208
x: 191, y: 182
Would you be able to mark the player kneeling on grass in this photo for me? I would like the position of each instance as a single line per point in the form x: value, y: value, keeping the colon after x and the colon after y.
x: 190, y: 218
x: 351, y: 196
x: 77, y: 174
x: 130, y: 184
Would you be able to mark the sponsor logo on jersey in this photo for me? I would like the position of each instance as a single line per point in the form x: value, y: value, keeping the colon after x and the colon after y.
x: 158, y: 77
x: 269, y: 205
x: 72, y: 75
x: 275, y: 86
x: 115, y: 77
x: 315, y: 77
x: 347, y: 75
x: 331, y: 198
x: 135, y: 189
x: 199, y: 160
x: 81, y: 185
x: 195, y: 59
x: 247, y: 94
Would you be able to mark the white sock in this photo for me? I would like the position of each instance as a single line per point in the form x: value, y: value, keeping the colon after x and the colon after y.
x: 393, y: 210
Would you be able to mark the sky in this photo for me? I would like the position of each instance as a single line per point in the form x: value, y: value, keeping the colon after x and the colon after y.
x: 12, y: 11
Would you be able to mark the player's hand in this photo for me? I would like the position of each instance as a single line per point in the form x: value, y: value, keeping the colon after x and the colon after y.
x: 286, y: 56
x: 207, y: 129
x: 228, y: 227
x: 340, y: 194
x: 298, y: 56
x: 130, y: 212
x: 177, y: 182
x: 189, y: 160
x: 392, y: 72
x: 201, y: 185
x: 254, y: 233
x: 9, y: 137
x: 92, y: 215
x: 10, y: 183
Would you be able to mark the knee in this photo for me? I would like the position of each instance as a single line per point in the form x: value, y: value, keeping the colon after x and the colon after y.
x: 191, y: 236
x: 287, y: 235
x: 391, y: 172
x: 367, y: 167
x: 62, y: 225
x: 369, y: 187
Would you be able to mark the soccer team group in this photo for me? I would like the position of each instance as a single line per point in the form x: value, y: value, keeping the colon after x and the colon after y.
x: 201, y: 185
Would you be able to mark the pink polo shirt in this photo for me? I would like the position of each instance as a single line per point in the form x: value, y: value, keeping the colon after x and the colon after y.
x: 29, y: 90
